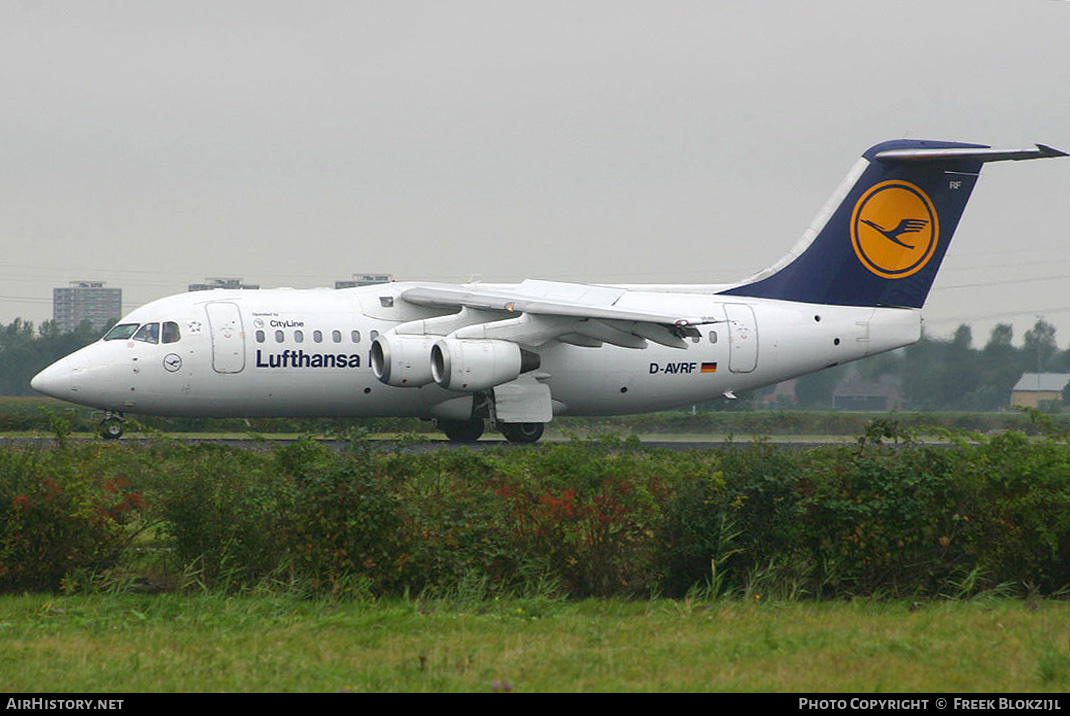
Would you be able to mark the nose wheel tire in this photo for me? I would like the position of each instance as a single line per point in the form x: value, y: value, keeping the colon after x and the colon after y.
x: 111, y: 428
x: 522, y: 432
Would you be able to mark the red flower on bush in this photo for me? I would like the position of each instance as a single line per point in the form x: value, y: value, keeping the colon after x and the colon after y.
x: 54, y: 489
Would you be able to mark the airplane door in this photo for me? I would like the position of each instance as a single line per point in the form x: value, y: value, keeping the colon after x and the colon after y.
x: 228, y: 337
x: 742, y: 338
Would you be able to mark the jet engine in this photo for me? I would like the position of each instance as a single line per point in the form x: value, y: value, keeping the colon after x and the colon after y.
x: 471, y: 365
x: 403, y: 361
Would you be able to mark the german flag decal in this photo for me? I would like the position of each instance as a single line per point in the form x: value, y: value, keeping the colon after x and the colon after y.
x: 709, y: 368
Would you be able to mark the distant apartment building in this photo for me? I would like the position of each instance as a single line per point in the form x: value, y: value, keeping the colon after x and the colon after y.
x: 85, y: 300
x: 365, y: 279
x: 224, y: 282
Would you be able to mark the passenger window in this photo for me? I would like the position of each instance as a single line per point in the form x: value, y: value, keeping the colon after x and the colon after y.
x: 171, y: 334
x: 260, y: 337
x: 148, y: 333
x: 279, y: 336
x: 713, y: 336
x: 355, y: 335
x: 121, y: 332
x: 373, y: 335
x: 299, y: 336
x: 336, y: 336
x: 317, y: 336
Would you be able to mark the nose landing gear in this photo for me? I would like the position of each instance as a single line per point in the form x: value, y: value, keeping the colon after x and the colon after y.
x: 110, y: 426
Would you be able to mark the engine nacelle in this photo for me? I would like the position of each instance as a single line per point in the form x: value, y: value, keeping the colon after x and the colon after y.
x: 403, y: 361
x: 471, y: 365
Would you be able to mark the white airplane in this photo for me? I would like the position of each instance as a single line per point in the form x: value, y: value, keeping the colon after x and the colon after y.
x: 517, y: 355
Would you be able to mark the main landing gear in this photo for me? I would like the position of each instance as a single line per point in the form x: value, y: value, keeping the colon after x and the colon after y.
x: 521, y: 432
x: 467, y: 431
x: 461, y: 431
x: 110, y: 426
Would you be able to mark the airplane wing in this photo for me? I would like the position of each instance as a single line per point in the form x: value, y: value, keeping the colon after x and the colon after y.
x: 536, y: 311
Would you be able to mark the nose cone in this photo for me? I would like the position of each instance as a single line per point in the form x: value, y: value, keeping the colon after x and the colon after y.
x: 55, y: 380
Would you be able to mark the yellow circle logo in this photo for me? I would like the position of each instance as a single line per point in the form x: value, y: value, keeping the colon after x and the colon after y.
x: 894, y: 229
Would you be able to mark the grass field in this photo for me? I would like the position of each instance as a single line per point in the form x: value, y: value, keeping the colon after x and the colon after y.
x: 124, y: 643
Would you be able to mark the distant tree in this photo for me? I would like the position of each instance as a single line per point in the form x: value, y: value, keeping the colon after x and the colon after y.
x: 24, y: 352
x: 922, y: 379
x: 1039, y: 347
x: 48, y: 330
x: 963, y: 338
x: 16, y: 333
x: 962, y: 371
x: 1002, y: 335
x: 942, y: 374
x: 872, y: 369
x: 1000, y: 368
x: 814, y: 391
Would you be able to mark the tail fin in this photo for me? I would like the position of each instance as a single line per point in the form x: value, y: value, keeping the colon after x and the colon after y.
x: 881, y: 237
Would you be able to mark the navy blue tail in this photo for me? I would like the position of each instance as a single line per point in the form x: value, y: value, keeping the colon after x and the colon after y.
x: 882, y: 243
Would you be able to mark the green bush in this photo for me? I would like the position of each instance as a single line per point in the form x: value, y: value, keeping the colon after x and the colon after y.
x: 878, y: 519
x: 345, y: 521
x: 737, y: 523
x: 588, y: 513
x: 455, y: 528
x: 593, y: 518
x: 58, y: 515
x: 226, y: 513
x: 1015, y: 512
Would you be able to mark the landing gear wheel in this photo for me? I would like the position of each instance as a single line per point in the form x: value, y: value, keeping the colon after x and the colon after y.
x: 462, y: 431
x: 111, y: 428
x: 522, y: 432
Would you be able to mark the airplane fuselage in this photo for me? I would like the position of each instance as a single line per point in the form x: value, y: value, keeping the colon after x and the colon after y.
x: 291, y: 352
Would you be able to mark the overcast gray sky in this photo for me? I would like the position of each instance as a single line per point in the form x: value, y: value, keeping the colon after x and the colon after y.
x: 152, y: 144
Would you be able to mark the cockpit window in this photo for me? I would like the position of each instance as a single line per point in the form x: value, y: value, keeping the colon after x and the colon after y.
x: 121, y: 332
x: 171, y: 334
x: 148, y: 333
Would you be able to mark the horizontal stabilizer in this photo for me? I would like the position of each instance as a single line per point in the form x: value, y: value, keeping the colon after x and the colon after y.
x: 977, y: 154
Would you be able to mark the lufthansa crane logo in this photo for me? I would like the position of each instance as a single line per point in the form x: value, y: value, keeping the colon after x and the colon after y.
x: 894, y: 229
